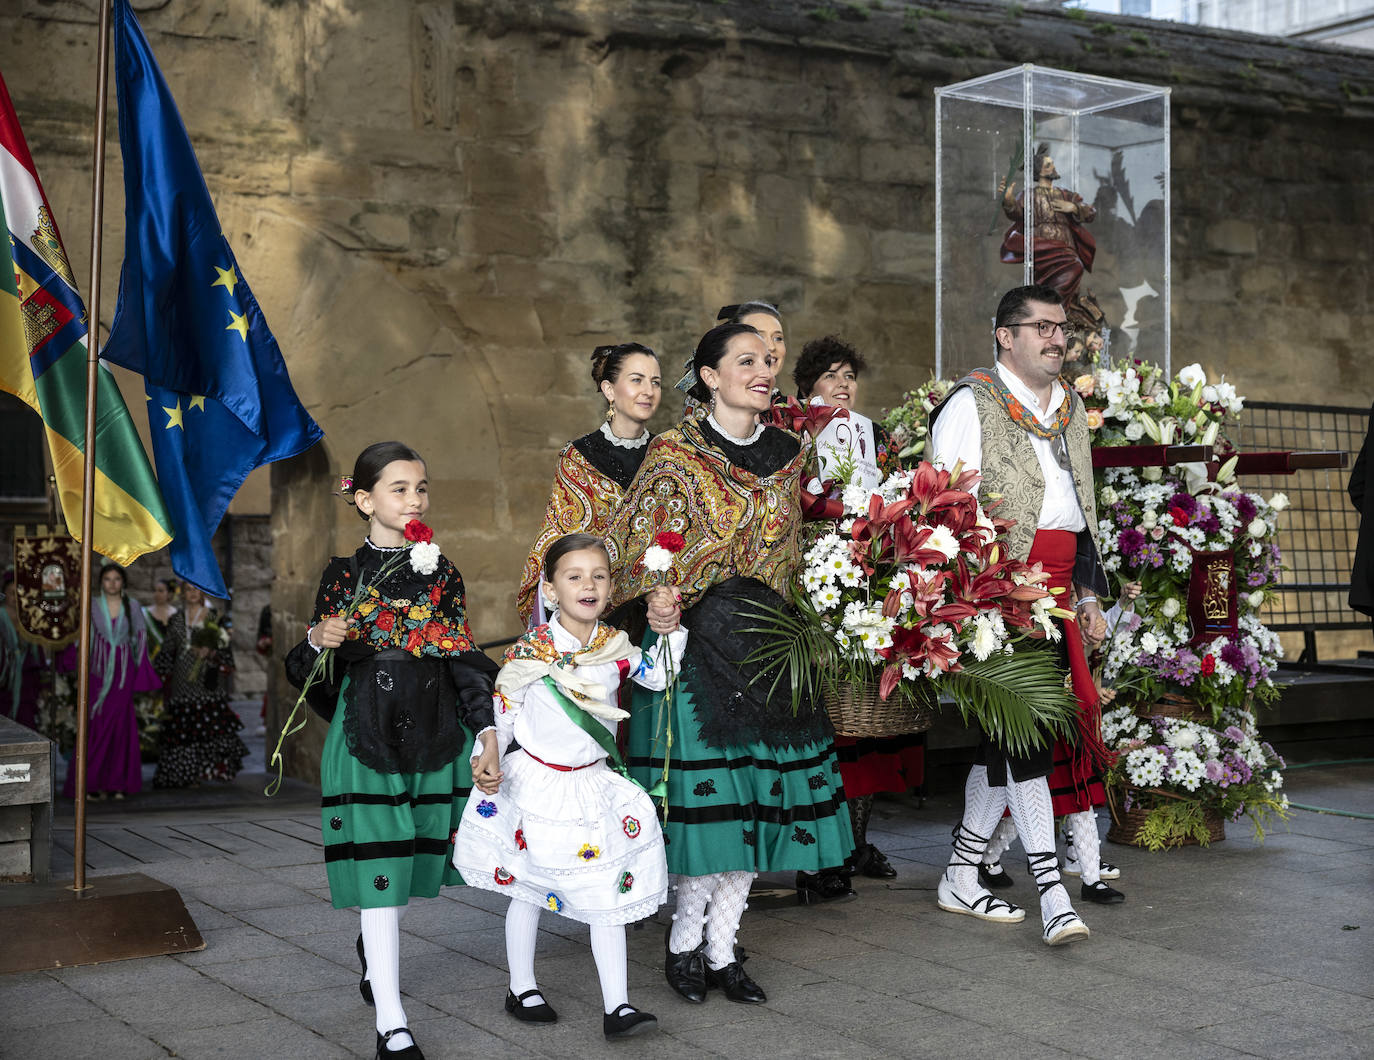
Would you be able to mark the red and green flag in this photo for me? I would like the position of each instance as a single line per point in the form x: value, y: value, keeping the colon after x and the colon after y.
x: 43, y: 335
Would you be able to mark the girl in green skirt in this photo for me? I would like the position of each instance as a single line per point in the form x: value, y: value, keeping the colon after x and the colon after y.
x: 406, y: 692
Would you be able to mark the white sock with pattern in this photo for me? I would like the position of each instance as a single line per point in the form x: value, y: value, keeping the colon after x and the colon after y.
x: 1033, y: 812
x: 522, y: 932
x: 1002, y: 838
x: 382, y: 945
x: 1087, y: 845
x: 608, y: 947
x: 983, y: 806
x: 689, y: 920
x: 722, y: 922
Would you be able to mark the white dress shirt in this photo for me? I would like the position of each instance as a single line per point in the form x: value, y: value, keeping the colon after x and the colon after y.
x: 957, y: 435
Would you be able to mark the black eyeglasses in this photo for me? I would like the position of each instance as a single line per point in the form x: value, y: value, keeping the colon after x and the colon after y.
x: 1045, y: 328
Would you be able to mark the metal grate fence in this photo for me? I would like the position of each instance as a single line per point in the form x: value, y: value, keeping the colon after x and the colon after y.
x: 1317, y: 537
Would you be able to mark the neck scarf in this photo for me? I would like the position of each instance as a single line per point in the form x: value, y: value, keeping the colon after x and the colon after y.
x: 1020, y: 415
x: 535, y: 656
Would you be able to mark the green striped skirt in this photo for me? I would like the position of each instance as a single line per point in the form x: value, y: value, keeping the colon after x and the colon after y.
x: 388, y: 837
x: 746, y: 807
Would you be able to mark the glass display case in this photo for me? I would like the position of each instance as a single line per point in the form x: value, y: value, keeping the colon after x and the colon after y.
x: 1095, y: 152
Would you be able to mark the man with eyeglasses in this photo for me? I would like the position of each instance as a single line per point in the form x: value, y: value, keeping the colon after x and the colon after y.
x: 1028, y: 435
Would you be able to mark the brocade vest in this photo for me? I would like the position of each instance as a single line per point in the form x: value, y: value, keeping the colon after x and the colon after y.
x: 1012, y: 472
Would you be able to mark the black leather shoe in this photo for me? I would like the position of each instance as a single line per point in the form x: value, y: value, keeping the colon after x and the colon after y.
x: 1100, y: 893
x: 627, y: 1021
x: 540, y: 1013
x: 828, y: 885
x: 993, y: 881
x: 874, y: 864
x: 735, y: 984
x: 364, y: 987
x: 410, y: 1052
x: 686, y: 972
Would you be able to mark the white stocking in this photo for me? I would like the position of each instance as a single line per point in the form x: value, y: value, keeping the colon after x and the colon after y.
x: 727, y: 909
x: 608, y: 947
x: 1002, y: 837
x: 693, y: 892
x: 382, y: 945
x: 983, y: 806
x: 522, y: 930
x: 1033, y: 812
x: 1087, y: 845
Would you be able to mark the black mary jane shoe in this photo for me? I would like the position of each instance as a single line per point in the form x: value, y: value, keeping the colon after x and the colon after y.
x: 828, y: 885
x: 686, y: 972
x: 734, y: 982
x: 364, y: 987
x: 994, y: 881
x: 627, y: 1021
x: 873, y: 863
x: 410, y: 1052
x: 540, y: 1013
x: 1100, y: 893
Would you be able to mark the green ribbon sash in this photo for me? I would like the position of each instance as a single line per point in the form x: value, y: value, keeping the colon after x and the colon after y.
x: 592, y: 728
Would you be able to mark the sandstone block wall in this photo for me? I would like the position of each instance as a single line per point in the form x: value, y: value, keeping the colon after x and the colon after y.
x: 444, y: 206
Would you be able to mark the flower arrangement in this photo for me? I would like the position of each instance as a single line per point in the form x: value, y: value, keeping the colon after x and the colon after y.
x: 658, y: 557
x: 912, y: 590
x: 211, y: 636
x: 909, y: 422
x: 1177, y: 769
x: 1131, y: 403
x: 1150, y: 532
x: 423, y: 557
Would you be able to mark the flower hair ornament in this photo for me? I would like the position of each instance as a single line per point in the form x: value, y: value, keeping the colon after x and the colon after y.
x: 345, y: 488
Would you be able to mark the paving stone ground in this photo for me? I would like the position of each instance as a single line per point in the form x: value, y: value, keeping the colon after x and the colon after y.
x: 1243, y: 949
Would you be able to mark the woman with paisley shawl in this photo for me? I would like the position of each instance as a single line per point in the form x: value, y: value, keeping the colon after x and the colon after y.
x: 594, y: 471
x: 752, y: 786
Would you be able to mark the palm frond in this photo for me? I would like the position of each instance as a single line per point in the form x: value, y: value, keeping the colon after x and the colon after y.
x: 797, y: 647
x: 1016, y: 699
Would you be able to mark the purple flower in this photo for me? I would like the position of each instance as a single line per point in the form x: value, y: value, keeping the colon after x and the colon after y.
x: 1256, y: 578
x: 1213, y: 770
x: 1245, y: 507
x: 1232, y: 655
x: 1209, y: 524
x: 1186, y: 502
x: 1130, y: 542
x: 1234, y: 734
x: 1150, y: 553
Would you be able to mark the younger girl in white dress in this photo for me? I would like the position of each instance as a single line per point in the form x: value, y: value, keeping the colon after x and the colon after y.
x: 567, y: 831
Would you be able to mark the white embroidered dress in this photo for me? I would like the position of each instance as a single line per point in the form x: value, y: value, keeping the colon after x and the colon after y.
x: 582, y: 840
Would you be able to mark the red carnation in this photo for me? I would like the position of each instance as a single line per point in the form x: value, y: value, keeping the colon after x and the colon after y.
x: 1209, y: 664
x: 1180, y: 516
x: 673, y: 542
x: 418, y: 531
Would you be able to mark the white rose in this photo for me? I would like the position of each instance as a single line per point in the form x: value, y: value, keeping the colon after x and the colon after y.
x: 1169, y: 608
x: 1258, y: 527
x: 1109, y: 495
x: 1134, y: 431
x: 1149, y: 519
x: 1151, y: 474
x: 1149, y: 644
x: 1278, y: 501
x: 1192, y: 375
x: 1255, y: 599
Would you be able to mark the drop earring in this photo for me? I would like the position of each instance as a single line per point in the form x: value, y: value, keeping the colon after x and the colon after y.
x: 610, y: 411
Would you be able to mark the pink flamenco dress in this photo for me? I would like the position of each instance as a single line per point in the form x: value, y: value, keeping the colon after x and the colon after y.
x: 119, y: 670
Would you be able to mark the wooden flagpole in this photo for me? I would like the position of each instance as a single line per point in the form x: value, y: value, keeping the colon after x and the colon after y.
x: 83, y: 678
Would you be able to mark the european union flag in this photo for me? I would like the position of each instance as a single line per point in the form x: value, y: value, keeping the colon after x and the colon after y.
x: 220, y: 400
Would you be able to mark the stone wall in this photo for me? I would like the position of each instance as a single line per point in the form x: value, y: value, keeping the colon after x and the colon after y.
x: 444, y: 206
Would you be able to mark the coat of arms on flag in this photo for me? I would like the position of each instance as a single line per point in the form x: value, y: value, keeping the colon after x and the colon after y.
x: 47, y: 583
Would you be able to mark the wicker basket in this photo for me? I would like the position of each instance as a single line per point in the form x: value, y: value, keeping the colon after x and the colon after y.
x: 1173, y: 705
x: 856, y: 710
x: 1126, y: 824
